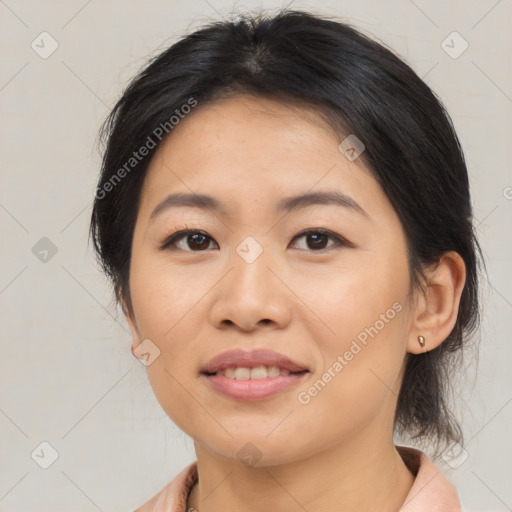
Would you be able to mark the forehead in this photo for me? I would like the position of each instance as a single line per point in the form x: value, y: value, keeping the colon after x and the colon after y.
x: 247, y: 150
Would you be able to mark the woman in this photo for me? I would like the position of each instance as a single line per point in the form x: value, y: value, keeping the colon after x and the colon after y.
x: 285, y: 216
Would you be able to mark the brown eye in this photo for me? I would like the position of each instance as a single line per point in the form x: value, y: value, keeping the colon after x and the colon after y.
x: 198, y: 241
x: 317, y: 240
x: 187, y: 240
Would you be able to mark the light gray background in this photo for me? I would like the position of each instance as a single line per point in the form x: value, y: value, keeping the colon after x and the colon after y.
x: 67, y: 374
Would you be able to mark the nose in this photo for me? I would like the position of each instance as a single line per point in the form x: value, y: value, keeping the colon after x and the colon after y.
x: 251, y: 294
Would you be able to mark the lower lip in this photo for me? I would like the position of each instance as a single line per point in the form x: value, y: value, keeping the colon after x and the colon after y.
x: 253, y: 389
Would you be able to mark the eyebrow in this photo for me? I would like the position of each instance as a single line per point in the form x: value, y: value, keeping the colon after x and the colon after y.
x: 288, y: 204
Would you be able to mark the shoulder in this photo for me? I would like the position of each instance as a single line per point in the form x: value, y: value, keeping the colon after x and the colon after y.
x: 173, y: 497
x: 431, y: 491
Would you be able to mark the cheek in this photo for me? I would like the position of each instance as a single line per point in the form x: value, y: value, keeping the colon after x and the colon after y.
x: 164, y: 304
x: 162, y: 299
x: 367, y: 314
x: 369, y: 291
x: 360, y: 378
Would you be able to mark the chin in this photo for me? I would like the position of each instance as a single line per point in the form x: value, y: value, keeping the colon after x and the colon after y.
x: 256, y: 449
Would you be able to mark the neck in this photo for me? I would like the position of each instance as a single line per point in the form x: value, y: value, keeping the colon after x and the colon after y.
x: 353, y: 476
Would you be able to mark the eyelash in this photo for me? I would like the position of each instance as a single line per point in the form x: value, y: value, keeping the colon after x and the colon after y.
x: 169, y: 242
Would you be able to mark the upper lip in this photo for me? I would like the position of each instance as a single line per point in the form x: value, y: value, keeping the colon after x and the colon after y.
x: 241, y: 358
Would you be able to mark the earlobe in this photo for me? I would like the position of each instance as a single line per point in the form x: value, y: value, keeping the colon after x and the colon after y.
x: 437, y: 309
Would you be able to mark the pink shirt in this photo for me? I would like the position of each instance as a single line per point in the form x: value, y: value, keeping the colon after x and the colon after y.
x: 431, y: 491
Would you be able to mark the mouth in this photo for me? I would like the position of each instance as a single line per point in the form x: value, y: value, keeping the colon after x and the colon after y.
x: 253, y: 375
x: 259, y: 360
x: 250, y: 389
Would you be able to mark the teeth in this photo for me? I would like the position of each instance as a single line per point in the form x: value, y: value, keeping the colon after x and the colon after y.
x: 258, y: 372
x: 273, y: 371
x: 242, y: 373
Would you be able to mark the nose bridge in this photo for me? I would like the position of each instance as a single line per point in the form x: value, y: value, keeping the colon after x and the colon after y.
x: 251, y: 275
x: 250, y: 292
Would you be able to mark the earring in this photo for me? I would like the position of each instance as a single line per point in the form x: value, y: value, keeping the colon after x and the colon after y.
x: 421, y: 341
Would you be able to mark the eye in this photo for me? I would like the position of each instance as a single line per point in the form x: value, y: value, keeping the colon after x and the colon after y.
x: 198, y: 241
x: 194, y: 239
x: 317, y: 238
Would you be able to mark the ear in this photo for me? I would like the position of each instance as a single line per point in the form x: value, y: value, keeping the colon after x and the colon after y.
x: 437, y: 308
x: 132, y: 324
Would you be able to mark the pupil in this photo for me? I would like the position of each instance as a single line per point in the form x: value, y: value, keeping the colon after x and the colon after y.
x: 317, y: 236
x: 194, y: 237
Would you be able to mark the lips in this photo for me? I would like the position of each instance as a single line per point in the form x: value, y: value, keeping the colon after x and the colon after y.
x: 244, y: 359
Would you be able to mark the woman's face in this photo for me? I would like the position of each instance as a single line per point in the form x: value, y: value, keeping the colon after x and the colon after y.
x: 336, y: 304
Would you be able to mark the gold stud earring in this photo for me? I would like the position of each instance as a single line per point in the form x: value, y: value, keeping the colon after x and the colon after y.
x: 421, y: 341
